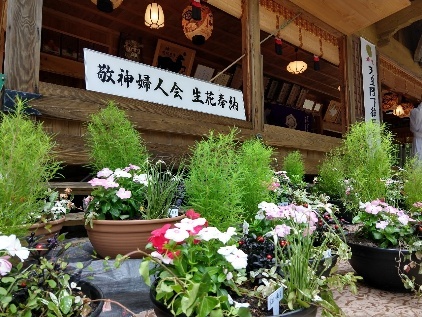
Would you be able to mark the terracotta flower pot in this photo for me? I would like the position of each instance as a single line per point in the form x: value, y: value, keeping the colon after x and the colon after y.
x: 113, y: 237
x: 48, y: 229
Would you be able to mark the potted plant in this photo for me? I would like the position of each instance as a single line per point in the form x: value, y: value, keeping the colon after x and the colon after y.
x: 202, y: 271
x: 50, y: 220
x: 127, y: 204
x: 36, y: 286
x: 26, y: 165
x: 131, y: 195
x: 388, y: 243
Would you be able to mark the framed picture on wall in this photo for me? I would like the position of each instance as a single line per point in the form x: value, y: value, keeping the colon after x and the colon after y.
x: 130, y: 47
x: 173, y: 57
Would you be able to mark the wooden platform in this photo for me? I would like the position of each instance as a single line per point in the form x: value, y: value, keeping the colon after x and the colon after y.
x: 74, y: 219
x: 78, y: 188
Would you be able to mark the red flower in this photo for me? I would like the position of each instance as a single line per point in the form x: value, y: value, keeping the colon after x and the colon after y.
x: 158, y: 242
x: 192, y: 214
x: 161, y: 231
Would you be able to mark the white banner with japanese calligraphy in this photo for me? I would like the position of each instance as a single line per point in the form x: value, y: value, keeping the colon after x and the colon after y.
x: 370, y: 80
x: 121, y: 77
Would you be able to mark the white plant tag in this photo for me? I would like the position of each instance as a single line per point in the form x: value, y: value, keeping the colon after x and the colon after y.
x: 327, y: 253
x: 274, y: 299
x: 284, y: 203
x: 173, y: 212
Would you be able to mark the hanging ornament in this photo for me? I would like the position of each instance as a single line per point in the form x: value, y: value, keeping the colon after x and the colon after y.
x: 277, y: 44
x: 316, y: 63
x: 196, y: 10
x: 197, y: 31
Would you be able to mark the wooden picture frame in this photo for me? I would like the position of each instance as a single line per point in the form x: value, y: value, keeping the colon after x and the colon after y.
x: 131, y: 47
x: 173, y: 57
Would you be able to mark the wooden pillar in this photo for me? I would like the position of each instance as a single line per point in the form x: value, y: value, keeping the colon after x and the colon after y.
x: 3, y: 11
x: 23, y: 42
x: 252, y: 65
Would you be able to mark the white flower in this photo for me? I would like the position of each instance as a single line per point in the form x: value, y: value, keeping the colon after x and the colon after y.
x: 190, y: 224
x: 176, y: 234
x: 104, y: 173
x: 121, y: 173
x: 141, y: 179
x: 282, y: 230
x: 209, y: 233
x: 238, y: 259
x: 13, y: 246
x: 239, y: 305
x: 226, y: 236
x: 226, y: 250
x: 164, y: 258
x: 245, y: 227
x: 229, y: 276
x: 260, y: 215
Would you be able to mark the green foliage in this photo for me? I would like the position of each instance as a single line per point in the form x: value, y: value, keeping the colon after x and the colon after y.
x: 331, y: 176
x: 255, y: 165
x: 413, y: 183
x: 294, y: 167
x: 26, y: 165
x: 113, y: 141
x: 214, y: 181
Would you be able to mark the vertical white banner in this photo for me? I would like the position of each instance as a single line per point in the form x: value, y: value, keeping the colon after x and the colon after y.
x: 370, y: 80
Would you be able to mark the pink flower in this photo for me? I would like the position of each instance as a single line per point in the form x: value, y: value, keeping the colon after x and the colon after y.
x: 418, y: 204
x: 160, y: 231
x: 5, y: 265
x: 191, y: 214
x: 381, y: 224
x: 124, y: 194
x: 373, y: 209
x: 107, y: 306
x: 273, y: 186
x: 282, y: 230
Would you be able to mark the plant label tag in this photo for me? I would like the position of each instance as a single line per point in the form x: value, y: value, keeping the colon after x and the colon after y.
x: 274, y: 299
x: 173, y: 212
x: 284, y: 203
x: 327, y: 254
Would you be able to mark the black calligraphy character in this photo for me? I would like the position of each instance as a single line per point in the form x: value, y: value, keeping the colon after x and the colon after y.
x: 233, y: 104
x: 125, y: 78
x: 370, y: 70
x: 372, y: 91
x: 144, y: 82
x: 372, y: 80
x: 105, y: 73
x: 221, y: 101
x: 160, y: 81
x: 176, y: 90
x: 196, y: 95
x: 210, y: 98
x: 373, y: 108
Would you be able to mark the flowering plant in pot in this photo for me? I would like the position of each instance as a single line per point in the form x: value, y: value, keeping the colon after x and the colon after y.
x: 282, y: 252
x: 131, y: 198
x: 37, y: 286
x: 195, y: 268
x: 388, y: 239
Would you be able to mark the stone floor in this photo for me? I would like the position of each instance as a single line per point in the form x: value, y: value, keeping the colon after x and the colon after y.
x: 124, y: 285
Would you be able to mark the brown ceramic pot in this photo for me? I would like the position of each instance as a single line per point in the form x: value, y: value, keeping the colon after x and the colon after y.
x: 48, y: 229
x: 113, y: 237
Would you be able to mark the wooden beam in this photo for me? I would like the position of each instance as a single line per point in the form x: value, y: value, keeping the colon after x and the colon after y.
x: 23, y: 43
x: 388, y: 26
x: 252, y: 65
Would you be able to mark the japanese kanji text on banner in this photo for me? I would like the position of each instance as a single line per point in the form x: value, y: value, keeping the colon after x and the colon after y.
x: 113, y: 75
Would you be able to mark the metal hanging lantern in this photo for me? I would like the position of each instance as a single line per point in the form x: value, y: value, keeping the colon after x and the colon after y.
x: 198, y: 31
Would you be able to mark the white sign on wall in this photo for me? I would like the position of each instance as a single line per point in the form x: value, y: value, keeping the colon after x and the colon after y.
x: 370, y: 80
x: 113, y: 75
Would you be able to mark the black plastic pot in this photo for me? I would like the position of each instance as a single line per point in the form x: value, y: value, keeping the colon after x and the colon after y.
x: 378, y: 267
x: 162, y: 311
x: 93, y: 292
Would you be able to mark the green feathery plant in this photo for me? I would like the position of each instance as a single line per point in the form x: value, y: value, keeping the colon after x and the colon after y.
x: 255, y: 165
x: 295, y: 168
x: 412, y: 183
x: 113, y: 141
x: 27, y: 163
x: 214, y: 180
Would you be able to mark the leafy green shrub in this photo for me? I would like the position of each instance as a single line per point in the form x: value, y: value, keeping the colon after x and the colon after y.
x: 294, y: 167
x: 255, y: 165
x: 413, y: 183
x: 214, y: 180
x: 27, y: 163
x: 331, y: 176
x: 113, y: 141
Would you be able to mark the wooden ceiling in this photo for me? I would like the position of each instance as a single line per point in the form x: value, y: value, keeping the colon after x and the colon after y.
x: 350, y: 16
x: 223, y: 47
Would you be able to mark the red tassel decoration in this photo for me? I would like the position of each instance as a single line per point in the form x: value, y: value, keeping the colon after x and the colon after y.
x: 196, y: 10
x: 277, y: 45
x: 316, y: 63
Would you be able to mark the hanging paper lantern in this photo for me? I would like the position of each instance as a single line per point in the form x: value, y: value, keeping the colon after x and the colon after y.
x: 107, y: 5
x: 197, y: 31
